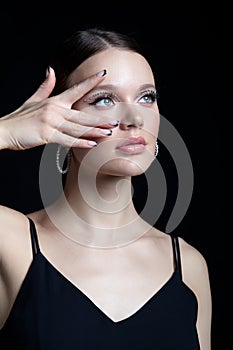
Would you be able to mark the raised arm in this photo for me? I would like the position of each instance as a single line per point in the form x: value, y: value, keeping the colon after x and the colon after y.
x: 43, y: 119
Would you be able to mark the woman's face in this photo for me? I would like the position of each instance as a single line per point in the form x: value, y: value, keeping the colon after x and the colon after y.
x: 127, y: 94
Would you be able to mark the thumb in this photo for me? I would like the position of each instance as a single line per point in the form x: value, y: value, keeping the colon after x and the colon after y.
x: 45, y: 88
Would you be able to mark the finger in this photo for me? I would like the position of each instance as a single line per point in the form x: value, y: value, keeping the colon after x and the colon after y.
x: 77, y: 130
x: 73, y: 94
x: 69, y: 141
x: 87, y: 119
x: 45, y: 88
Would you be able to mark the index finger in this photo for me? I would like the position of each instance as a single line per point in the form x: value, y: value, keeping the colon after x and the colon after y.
x: 71, y: 95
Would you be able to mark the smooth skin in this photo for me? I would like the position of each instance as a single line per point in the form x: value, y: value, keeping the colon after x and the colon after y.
x: 124, y: 278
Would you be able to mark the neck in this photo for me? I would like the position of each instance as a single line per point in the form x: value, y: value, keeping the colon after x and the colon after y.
x: 97, y: 211
x: 102, y: 200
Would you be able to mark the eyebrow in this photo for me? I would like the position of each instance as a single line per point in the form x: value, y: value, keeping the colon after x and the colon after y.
x: 114, y: 88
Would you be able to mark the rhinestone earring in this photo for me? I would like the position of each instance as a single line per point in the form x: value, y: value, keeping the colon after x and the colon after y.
x: 68, y: 160
x: 156, y: 149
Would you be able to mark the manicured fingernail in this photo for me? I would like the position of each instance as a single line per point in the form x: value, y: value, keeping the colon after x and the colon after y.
x: 114, y: 122
x: 92, y: 143
x: 47, y: 71
x: 106, y: 132
x: 101, y: 73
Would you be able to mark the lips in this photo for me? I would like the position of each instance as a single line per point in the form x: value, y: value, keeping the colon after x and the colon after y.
x: 133, y: 145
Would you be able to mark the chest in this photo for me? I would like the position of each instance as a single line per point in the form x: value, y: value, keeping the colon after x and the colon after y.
x: 118, y: 286
x: 117, y: 281
x: 59, y: 315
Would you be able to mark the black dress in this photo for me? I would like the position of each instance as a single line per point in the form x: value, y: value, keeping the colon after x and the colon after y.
x: 50, y: 313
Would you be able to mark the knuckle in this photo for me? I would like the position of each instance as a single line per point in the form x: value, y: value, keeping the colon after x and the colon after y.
x: 47, y: 106
x: 45, y: 113
x: 77, y: 130
x: 46, y: 134
x: 52, y: 119
x: 87, y: 130
x: 80, y: 131
x: 72, y: 115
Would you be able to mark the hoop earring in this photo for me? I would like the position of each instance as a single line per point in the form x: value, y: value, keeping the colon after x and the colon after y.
x: 156, y: 149
x: 68, y: 155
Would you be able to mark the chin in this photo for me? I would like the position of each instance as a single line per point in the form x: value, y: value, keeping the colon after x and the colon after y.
x: 124, y: 167
x: 110, y: 163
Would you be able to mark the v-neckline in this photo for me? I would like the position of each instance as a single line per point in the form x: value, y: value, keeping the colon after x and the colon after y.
x: 90, y: 301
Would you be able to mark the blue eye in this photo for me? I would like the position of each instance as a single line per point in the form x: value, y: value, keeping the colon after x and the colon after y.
x: 108, y: 99
x: 102, y: 102
x: 102, y: 99
x: 149, y: 97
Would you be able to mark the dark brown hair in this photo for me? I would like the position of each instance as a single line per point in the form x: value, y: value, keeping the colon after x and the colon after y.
x: 83, y: 44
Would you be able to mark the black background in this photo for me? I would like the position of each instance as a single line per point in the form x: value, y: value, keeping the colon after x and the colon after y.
x: 188, y: 46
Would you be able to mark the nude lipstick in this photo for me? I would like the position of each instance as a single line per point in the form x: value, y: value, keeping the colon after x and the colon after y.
x: 132, y: 145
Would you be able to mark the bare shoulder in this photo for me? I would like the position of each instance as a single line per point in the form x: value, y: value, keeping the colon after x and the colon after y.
x: 191, y: 258
x: 10, y: 217
x: 196, y: 277
x: 13, y: 222
x: 15, y: 256
x: 194, y: 268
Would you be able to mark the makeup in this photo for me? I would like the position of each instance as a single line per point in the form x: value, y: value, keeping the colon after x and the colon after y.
x: 132, y: 145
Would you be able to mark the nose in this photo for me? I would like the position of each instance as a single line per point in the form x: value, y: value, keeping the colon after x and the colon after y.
x: 130, y: 117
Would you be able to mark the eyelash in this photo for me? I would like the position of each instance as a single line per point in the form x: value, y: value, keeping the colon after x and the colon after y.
x: 154, y: 95
x: 102, y: 95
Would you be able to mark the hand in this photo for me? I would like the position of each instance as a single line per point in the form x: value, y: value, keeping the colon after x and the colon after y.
x: 43, y: 119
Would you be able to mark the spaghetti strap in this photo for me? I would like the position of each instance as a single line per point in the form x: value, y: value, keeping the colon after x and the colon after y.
x: 176, y: 254
x: 34, y: 237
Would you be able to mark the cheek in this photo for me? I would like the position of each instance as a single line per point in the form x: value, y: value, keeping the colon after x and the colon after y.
x: 150, y: 117
x: 151, y: 128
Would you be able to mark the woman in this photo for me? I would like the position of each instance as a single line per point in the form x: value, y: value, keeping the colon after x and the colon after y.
x: 87, y: 272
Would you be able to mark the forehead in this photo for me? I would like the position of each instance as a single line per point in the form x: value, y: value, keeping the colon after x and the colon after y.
x: 122, y: 66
